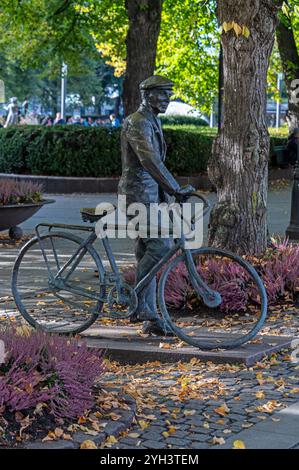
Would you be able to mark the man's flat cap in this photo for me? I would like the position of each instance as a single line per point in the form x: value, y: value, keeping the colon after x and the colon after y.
x: 156, y: 81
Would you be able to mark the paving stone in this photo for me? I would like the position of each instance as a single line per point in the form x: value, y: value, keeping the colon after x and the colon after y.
x: 80, y: 437
x: 217, y: 426
x: 130, y: 441
x: 154, y: 444
x: 198, y: 445
x: 214, y: 402
x: 60, y: 444
x: 181, y: 420
x: 201, y: 430
x: 152, y: 435
x: 113, y: 428
x: 177, y: 442
x: 199, y: 437
x: 254, y: 420
x: 180, y: 434
x: 236, y: 416
x: 244, y: 375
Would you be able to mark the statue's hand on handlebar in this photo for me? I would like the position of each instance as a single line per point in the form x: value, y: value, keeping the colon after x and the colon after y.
x: 184, y: 192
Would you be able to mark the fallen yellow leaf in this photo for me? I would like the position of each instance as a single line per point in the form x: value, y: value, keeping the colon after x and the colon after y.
x: 238, y: 445
x: 88, y: 445
x: 111, y: 440
x: 143, y: 424
x: 171, y: 429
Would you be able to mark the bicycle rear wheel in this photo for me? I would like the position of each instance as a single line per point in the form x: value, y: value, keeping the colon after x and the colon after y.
x: 58, y: 303
x: 234, y: 319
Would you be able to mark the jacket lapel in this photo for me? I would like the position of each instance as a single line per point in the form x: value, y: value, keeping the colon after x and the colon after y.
x: 157, y: 128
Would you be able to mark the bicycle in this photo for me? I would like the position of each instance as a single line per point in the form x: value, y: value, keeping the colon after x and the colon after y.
x: 70, y: 287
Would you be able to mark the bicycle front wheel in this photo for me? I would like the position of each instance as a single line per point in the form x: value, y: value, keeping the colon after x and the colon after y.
x: 240, y: 304
x: 65, y: 303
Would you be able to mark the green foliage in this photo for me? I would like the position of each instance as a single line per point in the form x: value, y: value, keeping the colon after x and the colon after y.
x: 183, y: 120
x: 95, y: 152
x: 289, y: 16
x: 188, y: 150
x: 188, y: 50
x: 14, y: 143
x: 40, y: 34
x: 78, y: 151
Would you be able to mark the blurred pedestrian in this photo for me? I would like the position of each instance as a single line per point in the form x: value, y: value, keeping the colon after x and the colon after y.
x: 90, y: 121
x: 59, y: 121
x: 115, y: 122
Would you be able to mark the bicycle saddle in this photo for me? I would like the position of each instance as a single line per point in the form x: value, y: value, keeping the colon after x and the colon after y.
x: 88, y: 214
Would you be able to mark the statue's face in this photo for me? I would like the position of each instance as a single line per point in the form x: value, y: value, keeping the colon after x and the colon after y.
x: 159, y: 99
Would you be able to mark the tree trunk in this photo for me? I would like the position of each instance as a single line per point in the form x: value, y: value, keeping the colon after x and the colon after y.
x: 239, y: 163
x: 290, y: 64
x: 141, y: 43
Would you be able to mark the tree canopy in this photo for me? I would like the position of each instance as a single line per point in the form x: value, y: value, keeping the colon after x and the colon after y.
x: 41, y: 34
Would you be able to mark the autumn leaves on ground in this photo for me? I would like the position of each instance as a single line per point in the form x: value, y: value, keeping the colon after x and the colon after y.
x: 183, y: 405
x: 199, y: 405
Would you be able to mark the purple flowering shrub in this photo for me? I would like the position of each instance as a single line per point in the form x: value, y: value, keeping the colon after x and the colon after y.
x: 48, y: 369
x: 278, y: 268
x: 229, y: 279
x: 178, y: 287
x: 19, y: 192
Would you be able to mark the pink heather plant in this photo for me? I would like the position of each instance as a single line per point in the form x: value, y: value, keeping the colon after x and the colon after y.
x: 48, y: 369
x: 19, y: 192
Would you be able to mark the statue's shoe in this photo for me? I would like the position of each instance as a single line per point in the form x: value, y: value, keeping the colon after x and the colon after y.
x: 156, y: 327
x: 143, y: 316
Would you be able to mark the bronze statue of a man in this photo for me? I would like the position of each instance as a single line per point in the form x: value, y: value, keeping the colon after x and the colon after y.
x: 145, y: 179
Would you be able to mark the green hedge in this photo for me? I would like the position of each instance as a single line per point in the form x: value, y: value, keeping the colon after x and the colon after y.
x: 183, y: 120
x: 95, y: 151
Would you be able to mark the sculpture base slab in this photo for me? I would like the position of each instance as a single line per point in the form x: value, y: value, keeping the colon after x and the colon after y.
x: 126, y: 346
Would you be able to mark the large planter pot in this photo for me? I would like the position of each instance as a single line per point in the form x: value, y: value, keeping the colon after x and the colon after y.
x: 12, y: 215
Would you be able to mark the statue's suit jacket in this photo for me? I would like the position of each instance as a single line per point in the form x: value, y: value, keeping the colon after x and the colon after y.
x: 144, y: 178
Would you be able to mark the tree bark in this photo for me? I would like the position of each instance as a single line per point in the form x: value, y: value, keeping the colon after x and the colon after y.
x: 141, y: 44
x: 290, y: 65
x: 239, y: 163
